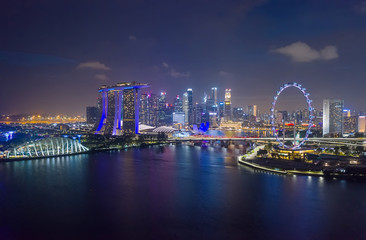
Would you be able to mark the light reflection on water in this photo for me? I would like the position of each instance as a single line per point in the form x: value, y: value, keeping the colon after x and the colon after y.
x: 172, y: 192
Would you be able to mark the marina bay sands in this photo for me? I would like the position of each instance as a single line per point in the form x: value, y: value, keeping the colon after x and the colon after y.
x: 185, y: 120
x: 120, y: 108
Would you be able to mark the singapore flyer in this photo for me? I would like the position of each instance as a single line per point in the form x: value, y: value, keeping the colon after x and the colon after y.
x: 311, y: 116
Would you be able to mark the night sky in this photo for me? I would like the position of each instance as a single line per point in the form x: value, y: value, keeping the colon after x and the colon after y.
x: 54, y: 55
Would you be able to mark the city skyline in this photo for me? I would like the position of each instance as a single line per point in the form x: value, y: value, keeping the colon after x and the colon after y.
x: 251, y: 47
x: 160, y: 119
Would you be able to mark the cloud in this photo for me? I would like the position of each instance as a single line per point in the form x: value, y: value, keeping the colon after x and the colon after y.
x: 224, y: 74
x: 132, y: 38
x: 102, y: 77
x: 94, y: 65
x: 301, y: 52
x: 328, y: 53
x: 361, y: 7
x: 32, y: 59
x: 176, y: 74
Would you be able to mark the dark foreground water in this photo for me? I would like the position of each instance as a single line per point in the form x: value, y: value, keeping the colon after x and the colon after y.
x: 173, y: 192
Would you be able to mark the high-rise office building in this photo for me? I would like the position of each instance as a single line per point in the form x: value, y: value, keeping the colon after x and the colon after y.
x: 298, y: 116
x: 214, y: 95
x: 198, y: 111
x: 162, y: 109
x: 209, y: 103
x: 238, y: 114
x: 346, y: 113
x: 333, y: 117
x: 210, y: 108
x: 169, y: 109
x: 190, y: 105
x: 178, y: 104
x: 227, y: 105
x: 153, y: 105
x: 252, y: 110
x: 178, y: 118
x: 92, y: 115
x: 185, y: 108
x: 349, y: 124
x: 361, y: 124
x: 221, y: 111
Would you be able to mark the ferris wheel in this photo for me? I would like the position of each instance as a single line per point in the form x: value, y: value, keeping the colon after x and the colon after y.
x: 310, y: 109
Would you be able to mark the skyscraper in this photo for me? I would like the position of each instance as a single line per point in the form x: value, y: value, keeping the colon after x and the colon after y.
x: 197, y: 114
x: 113, y: 118
x: 178, y: 104
x: 238, y: 114
x: 92, y: 115
x: 178, y: 118
x: 186, y: 108
x: 252, y: 110
x: 333, y: 117
x: 349, y: 124
x: 130, y: 111
x: 161, y: 109
x: 152, y: 109
x: 211, y: 108
x: 221, y: 111
x: 190, y: 105
x: 144, y: 109
x: 214, y: 95
x: 361, y: 124
x: 212, y: 100
x: 227, y: 106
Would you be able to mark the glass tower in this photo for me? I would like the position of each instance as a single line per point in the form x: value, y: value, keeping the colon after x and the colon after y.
x: 333, y: 117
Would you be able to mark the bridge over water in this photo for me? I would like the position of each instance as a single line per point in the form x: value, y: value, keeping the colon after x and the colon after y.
x: 335, y: 141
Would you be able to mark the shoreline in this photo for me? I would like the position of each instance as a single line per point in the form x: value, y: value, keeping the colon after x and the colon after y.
x: 322, y: 173
x: 4, y: 160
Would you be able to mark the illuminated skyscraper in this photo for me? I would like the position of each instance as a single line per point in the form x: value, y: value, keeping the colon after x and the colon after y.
x: 346, y: 113
x: 113, y: 108
x: 92, y: 114
x: 149, y: 109
x: 190, y: 105
x: 120, y: 103
x: 361, y: 124
x: 349, y: 124
x: 211, y: 108
x: 131, y: 101
x: 333, y: 117
x: 153, y: 105
x: 227, y: 106
x: 178, y: 118
x: 197, y: 114
x: 161, y: 109
x: 143, y: 109
x: 252, y: 110
x: 178, y: 104
x: 214, y: 95
x: 238, y: 114
x: 186, y: 108
x: 221, y: 111
x: 100, y: 104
